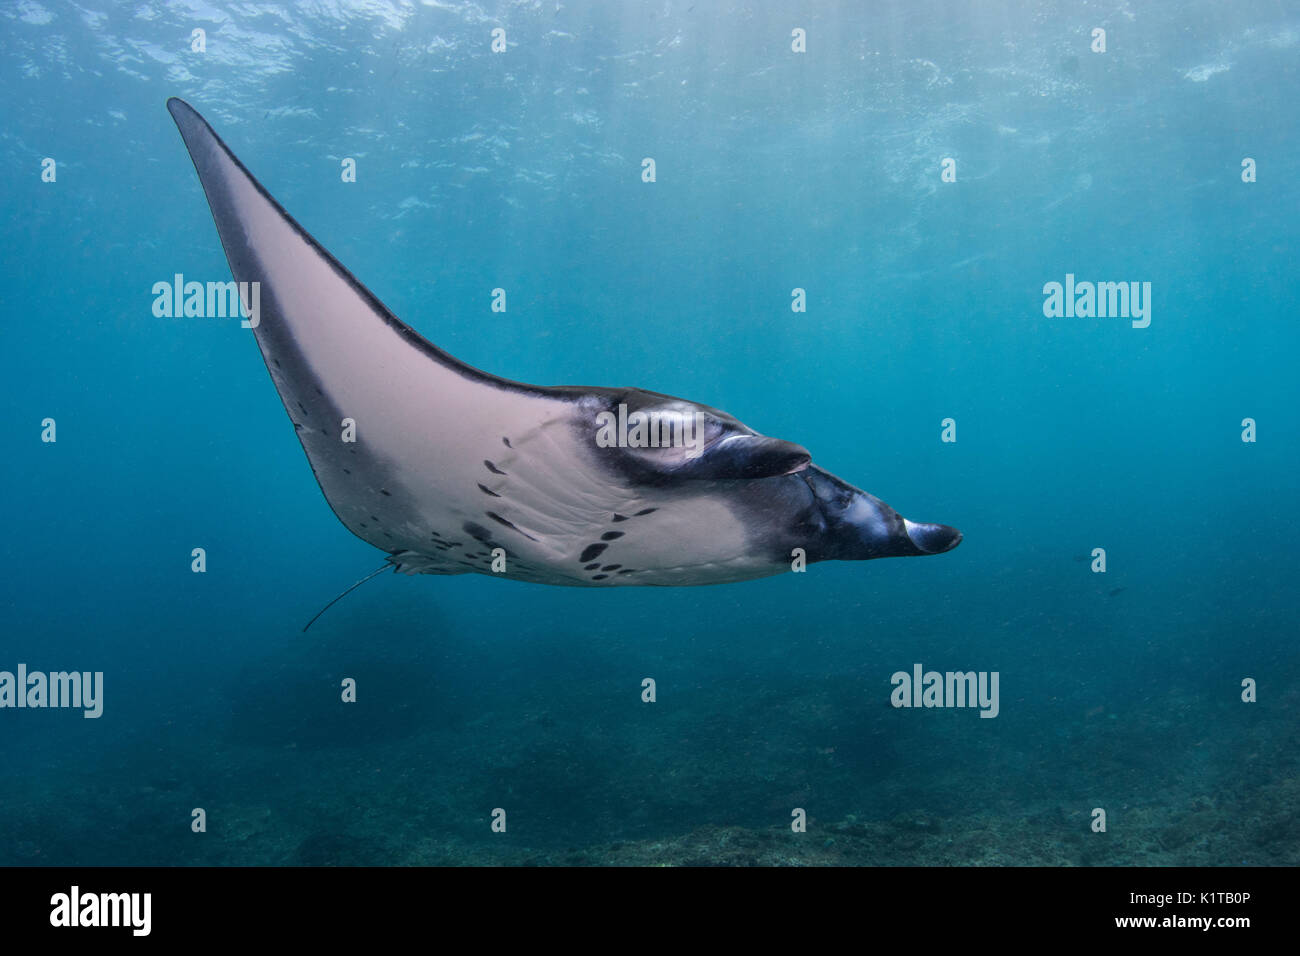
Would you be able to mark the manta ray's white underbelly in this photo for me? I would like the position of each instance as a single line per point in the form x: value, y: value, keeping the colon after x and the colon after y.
x: 451, y: 475
x: 511, y: 491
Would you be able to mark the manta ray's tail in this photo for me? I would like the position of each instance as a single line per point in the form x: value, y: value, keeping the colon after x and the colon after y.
x: 375, y: 573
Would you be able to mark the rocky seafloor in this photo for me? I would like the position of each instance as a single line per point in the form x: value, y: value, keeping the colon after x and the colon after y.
x: 1183, y: 782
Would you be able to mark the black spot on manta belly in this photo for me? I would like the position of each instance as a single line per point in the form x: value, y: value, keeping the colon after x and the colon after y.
x: 592, y: 567
x: 599, y: 577
x: 488, y: 491
x: 619, y: 517
x: 645, y: 511
x: 493, y: 468
x: 506, y: 441
x: 480, y: 534
x: 611, y: 535
x: 591, y: 552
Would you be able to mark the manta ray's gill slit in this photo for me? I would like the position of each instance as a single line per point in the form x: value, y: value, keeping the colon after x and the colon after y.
x: 487, y: 491
x: 509, y: 524
x: 612, y: 535
x: 493, y: 468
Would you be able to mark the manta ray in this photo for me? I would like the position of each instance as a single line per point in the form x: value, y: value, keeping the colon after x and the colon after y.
x: 450, y: 470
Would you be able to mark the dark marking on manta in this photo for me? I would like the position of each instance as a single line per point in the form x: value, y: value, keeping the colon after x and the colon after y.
x: 493, y: 468
x: 509, y: 524
x: 611, y: 535
x: 385, y: 493
x: 618, y: 517
x: 611, y: 567
x: 478, y: 533
x: 599, y: 577
x: 645, y: 511
x: 488, y: 491
x: 506, y: 442
x: 592, y: 567
x: 592, y: 552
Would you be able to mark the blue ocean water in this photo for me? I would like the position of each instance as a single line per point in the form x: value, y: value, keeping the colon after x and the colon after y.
x: 776, y: 170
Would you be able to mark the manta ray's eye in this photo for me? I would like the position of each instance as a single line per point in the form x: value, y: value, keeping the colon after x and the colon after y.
x: 712, y: 429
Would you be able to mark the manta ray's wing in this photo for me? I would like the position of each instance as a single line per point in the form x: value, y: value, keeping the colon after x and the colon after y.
x: 402, y: 437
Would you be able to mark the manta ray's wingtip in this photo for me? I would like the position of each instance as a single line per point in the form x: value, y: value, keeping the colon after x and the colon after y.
x: 187, y: 118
